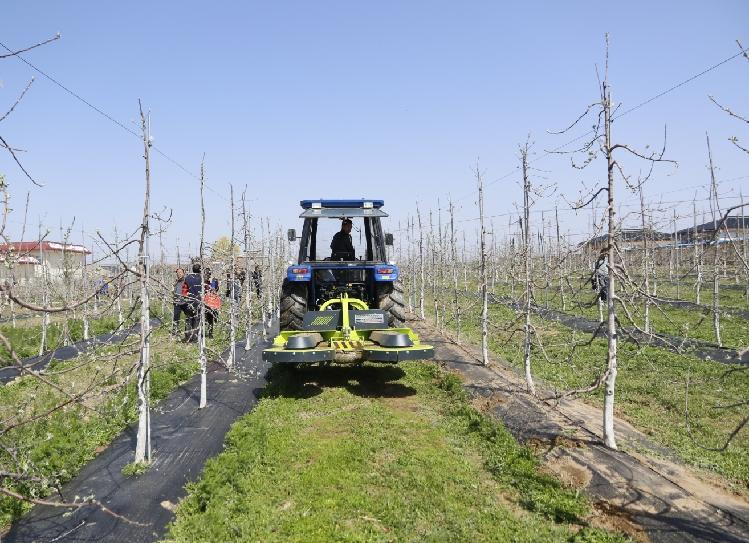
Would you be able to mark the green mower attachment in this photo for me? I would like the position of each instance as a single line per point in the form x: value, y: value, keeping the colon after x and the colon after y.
x: 351, y: 333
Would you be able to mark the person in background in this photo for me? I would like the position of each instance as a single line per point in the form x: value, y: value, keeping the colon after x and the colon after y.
x: 257, y: 279
x: 214, y: 281
x: 180, y: 301
x: 192, y: 303
x: 211, y: 313
x: 600, y: 278
x: 234, y: 289
x: 102, y: 287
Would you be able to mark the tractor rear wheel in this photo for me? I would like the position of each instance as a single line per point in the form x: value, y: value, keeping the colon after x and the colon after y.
x: 390, y: 300
x: 293, y: 304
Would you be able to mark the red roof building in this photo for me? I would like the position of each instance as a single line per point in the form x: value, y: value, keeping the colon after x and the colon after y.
x: 28, y: 247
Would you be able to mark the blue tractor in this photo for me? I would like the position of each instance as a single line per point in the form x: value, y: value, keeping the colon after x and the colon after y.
x: 342, y: 301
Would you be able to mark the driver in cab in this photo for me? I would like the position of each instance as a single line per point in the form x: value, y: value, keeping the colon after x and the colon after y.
x: 342, y: 247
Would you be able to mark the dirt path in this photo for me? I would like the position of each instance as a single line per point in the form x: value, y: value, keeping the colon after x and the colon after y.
x: 183, y: 438
x: 656, y: 500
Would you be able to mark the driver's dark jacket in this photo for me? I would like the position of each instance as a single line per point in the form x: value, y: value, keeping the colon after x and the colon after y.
x: 193, y: 288
x: 341, y: 246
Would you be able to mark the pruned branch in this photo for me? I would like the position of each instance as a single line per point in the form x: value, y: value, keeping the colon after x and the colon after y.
x: 10, y: 149
x: 18, y: 101
x: 12, y: 53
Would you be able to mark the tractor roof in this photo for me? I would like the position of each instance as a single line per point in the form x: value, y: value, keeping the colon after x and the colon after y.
x: 348, y: 204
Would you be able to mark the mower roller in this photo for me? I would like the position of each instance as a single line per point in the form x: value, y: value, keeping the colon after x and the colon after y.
x: 338, y: 308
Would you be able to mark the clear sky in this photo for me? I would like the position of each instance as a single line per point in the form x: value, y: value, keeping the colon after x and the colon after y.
x: 391, y: 99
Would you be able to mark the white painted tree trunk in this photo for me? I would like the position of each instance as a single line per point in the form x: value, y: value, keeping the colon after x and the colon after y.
x: 201, y: 326
x: 483, y: 279
x: 716, y: 250
x: 560, y: 263
x: 45, y: 295
x: 609, y: 437
x: 143, y: 437
x: 645, y: 262
x: 527, y: 265
x: 84, y: 276
x: 422, y: 313
x: 118, y: 299
x: 454, y: 266
x: 697, y: 256
x: 248, y: 280
x: 232, y: 291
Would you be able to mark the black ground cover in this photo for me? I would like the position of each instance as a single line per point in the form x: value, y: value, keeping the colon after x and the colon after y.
x: 38, y: 363
x: 183, y: 438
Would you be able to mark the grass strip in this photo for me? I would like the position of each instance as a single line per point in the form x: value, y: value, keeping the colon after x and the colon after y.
x: 652, y: 388
x: 376, y: 453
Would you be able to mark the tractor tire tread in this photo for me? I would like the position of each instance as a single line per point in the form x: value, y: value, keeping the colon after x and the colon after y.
x: 390, y: 300
x: 293, y: 305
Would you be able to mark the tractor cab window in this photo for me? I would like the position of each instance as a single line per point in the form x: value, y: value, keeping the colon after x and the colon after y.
x: 327, y: 241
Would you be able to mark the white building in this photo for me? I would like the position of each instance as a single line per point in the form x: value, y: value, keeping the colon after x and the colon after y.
x: 27, y: 260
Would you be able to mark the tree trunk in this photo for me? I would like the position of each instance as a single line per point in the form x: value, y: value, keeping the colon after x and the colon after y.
x: 716, y: 246
x: 609, y: 437
x: 645, y: 262
x: 560, y: 263
x: 248, y: 278
x: 484, y: 293
x: 201, y: 305
x: 454, y: 255
x: 84, y: 277
x: 527, y: 265
x: 697, y: 255
x: 232, y: 288
x: 143, y: 438
x: 422, y: 313
x: 45, y: 294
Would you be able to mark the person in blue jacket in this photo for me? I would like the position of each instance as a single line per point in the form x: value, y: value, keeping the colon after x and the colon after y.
x: 193, y: 301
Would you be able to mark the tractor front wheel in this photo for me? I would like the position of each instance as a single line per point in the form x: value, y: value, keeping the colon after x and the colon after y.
x: 293, y: 304
x: 390, y: 300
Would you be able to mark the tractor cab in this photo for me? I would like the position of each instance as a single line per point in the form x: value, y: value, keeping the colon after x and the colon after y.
x: 342, y: 301
x: 330, y: 269
x: 323, y: 220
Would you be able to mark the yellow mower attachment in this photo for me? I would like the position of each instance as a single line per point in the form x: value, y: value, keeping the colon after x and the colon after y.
x: 345, y: 330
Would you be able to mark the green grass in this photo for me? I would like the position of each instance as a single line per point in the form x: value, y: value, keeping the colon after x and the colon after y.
x: 133, y: 469
x: 376, y: 453
x: 56, y: 447
x: 728, y: 298
x: 651, y: 389
x: 25, y: 339
x: 665, y: 319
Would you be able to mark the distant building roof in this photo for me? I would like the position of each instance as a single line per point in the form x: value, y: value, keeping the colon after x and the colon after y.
x: 634, y: 234
x: 21, y: 247
x: 734, y: 222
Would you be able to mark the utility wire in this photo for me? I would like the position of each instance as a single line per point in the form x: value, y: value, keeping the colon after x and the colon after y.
x: 109, y: 117
x: 623, y: 205
x: 722, y: 197
x: 619, y: 116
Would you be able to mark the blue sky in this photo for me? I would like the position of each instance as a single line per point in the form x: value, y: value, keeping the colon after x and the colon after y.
x: 392, y: 100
